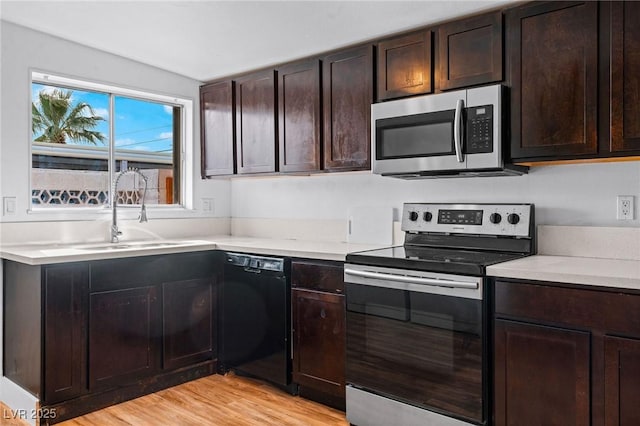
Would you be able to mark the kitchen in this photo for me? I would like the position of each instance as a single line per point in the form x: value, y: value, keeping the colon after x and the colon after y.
x: 576, y: 202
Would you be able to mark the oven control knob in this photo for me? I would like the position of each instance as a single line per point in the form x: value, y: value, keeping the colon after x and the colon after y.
x: 413, y: 216
x: 427, y: 216
x: 513, y: 218
x: 495, y: 218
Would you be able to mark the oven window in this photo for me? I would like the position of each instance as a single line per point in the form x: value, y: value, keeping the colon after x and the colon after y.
x: 423, y: 349
x: 418, y: 135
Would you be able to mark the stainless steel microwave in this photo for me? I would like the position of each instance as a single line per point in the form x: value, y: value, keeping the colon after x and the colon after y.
x: 458, y: 133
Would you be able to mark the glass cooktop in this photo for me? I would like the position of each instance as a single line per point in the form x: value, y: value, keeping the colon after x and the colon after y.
x: 453, y: 261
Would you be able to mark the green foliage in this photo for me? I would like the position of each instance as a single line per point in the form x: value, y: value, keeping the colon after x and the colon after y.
x: 58, y: 120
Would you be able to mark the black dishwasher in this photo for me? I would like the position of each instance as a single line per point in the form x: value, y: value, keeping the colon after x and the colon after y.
x: 256, y: 318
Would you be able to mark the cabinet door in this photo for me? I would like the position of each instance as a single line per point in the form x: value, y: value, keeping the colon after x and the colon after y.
x: 123, y: 336
x: 470, y: 51
x: 299, y: 116
x: 625, y: 76
x: 542, y: 375
x: 65, y: 331
x: 188, y: 322
x: 217, y: 119
x: 404, y: 65
x: 319, y: 340
x: 347, y: 88
x: 256, y: 122
x: 622, y: 387
x: 553, y: 54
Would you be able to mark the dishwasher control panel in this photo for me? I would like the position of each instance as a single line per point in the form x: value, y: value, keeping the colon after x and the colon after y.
x: 255, y: 262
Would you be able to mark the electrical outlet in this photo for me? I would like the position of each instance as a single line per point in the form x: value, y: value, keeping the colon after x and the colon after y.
x: 625, y: 207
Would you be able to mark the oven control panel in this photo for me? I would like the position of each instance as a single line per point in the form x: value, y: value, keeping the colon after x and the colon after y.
x: 513, y: 220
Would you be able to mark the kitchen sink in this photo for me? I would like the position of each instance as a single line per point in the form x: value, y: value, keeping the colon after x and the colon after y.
x: 131, y: 245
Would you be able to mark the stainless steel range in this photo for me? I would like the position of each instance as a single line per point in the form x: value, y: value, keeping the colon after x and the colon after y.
x: 417, y: 316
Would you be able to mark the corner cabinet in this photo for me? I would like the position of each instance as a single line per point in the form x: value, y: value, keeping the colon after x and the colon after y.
x: 347, y: 88
x: 256, y: 122
x: 405, y: 65
x: 299, y: 117
x: 319, y: 330
x: 565, y: 354
x: 105, y: 331
x: 470, y: 51
x: 217, y: 133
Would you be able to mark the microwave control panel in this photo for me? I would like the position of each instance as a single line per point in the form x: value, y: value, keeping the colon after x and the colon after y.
x: 479, y: 129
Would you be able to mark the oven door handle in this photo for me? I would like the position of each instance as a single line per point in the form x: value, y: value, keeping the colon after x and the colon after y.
x: 411, y: 280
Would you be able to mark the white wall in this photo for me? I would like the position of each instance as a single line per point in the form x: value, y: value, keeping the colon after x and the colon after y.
x: 579, y: 194
x: 24, y: 50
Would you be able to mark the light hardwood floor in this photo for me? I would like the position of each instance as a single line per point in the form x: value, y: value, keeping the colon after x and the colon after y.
x: 215, y: 400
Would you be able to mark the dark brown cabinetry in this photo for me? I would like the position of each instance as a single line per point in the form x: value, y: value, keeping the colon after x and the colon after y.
x: 188, y: 317
x: 123, y: 336
x: 541, y: 375
x: 625, y: 76
x: 347, y: 86
x: 405, y: 65
x: 565, y: 355
x: 65, y: 331
x: 622, y: 387
x: 217, y: 122
x: 83, y: 336
x: 470, y: 51
x: 256, y: 122
x: 553, y: 55
x: 299, y: 116
x: 319, y: 330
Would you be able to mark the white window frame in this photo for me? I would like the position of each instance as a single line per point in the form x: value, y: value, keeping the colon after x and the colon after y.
x: 186, y: 141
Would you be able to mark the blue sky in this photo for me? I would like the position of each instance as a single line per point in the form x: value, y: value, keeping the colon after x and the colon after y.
x: 139, y: 125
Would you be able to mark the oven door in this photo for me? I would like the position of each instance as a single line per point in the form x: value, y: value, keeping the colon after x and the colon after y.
x: 417, y: 338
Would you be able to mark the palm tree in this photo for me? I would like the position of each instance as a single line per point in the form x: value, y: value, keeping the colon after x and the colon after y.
x: 59, y: 120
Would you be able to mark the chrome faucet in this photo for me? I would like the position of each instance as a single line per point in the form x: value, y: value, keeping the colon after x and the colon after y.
x: 115, y: 232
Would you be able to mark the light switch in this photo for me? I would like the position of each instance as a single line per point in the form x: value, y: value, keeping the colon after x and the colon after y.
x: 207, y: 205
x: 9, y: 205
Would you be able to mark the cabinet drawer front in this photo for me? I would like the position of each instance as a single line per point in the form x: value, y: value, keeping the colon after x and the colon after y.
x: 322, y: 276
x: 595, y: 309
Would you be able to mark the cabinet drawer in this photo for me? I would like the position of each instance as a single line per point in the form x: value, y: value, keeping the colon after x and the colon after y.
x: 598, y: 309
x: 322, y: 276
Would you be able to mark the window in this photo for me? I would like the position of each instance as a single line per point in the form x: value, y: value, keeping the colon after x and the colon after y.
x: 83, y: 134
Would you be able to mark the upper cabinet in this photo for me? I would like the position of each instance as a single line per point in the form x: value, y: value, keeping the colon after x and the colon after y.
x: 256, y: 122
x: 470, y: 51
x: 553, y: 54
x: 625, y: 76
x: 347, y: 84
x: 217, y: 137
x: 299, y: 116
x: 574, y: 73
x: 404, y: 65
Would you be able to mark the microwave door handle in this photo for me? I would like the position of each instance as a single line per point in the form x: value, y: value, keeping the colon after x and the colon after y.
x: 457, y: 130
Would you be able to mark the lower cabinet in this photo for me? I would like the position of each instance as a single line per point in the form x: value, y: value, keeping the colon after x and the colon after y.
x: 622, y: 381
x: 565, y: 355
x: 542, y: 374
x: 188, y: 320
x: 65, y: 331
x: 102, y: 332
x: 319, y: 330
x: 123, y: 336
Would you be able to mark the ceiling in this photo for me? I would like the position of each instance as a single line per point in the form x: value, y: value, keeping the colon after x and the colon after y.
x: 205, y: 40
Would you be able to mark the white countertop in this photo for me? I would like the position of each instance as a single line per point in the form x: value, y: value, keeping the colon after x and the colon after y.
x: 40, y: 254
x: 574, y: 270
